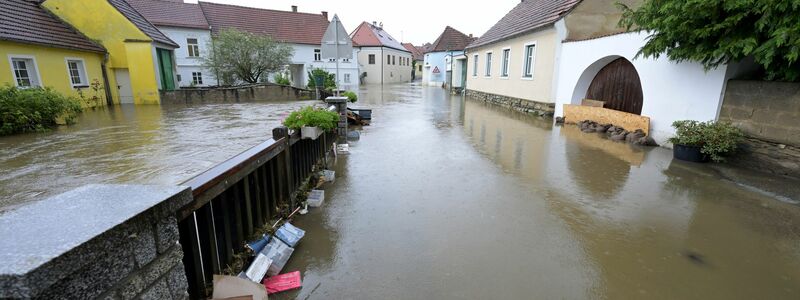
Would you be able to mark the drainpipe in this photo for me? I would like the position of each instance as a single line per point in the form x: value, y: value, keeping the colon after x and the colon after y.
x: 106, y: 83
x: 382, y: 65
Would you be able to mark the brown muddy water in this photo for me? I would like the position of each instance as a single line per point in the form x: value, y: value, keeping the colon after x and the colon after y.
x: 447, y: 198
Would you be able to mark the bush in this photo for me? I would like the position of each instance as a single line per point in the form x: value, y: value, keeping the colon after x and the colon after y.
x: 352, y: 96
x: 715, y: 139
x: 310, y: 116
x: 34, y: 109
x: 282, y: 80
x: 329, y: 83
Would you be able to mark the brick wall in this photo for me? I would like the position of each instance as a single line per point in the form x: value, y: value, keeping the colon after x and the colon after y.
x: 257, y: 92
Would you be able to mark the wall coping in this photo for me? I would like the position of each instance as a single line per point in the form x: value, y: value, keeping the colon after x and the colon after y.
x: 46, y: 241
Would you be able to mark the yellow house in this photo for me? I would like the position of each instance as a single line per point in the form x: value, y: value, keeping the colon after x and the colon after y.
x: 39, y: 50
x: 140, y: 57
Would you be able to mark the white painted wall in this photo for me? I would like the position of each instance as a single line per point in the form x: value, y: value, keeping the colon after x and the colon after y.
x: 185, y: 65
x: 383, y: 71
x: 672, y: 91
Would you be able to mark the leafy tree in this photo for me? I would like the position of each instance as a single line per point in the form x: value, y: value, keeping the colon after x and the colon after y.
x: 243, y: 56
x: 722, y: 31
x: 281, y: 79
x: 329, y: 82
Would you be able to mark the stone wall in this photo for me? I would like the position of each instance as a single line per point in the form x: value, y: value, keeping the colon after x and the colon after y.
x: 99, y: 241
x: 769, y: 114
x: 249, y: 93
x: 522, y: 105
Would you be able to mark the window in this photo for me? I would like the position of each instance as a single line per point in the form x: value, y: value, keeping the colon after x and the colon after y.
x: 25, y: 72
x: 194, y: 48
x: 347, y: 78
x: 529, y: 59
x: 394, y: 60
x: 317, y: 55
x: 388, y: 59
x: 475, y: 65
x: 197, y: 78
x: 504, y: 69
x: 488, y: 64
x: 372, y: 59
x: 77, y: 72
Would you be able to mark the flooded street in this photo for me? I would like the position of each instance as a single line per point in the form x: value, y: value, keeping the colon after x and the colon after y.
x: 444, y: 198
x: 127, y: 144
x: 449, y: 198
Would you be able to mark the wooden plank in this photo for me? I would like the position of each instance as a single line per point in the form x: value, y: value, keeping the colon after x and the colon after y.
x: 192, y: 258
x: 209, y: 245
x: 576, y: 113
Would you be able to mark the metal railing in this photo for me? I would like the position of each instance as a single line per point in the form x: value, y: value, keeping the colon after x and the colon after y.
x: 239, y: 196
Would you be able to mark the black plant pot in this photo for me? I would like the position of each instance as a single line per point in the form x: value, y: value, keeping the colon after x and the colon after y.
x: 689, y: 153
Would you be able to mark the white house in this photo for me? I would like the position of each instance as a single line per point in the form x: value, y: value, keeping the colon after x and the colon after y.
x: 439, y: 62
x: 185, y: 24
x: 381, y: 58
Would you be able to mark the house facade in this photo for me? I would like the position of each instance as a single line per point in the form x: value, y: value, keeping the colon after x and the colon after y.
x: 381, y: 58
x: 52, y: 54
x: 140, y: 57
x: 418, y: 60
x: 303, y: 31
x: 439, y: 62
x: 185, y: 24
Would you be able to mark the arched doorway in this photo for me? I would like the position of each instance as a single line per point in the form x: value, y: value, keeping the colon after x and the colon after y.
x: 618, y: 85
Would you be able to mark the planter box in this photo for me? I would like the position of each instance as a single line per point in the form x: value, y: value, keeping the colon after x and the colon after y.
x: 689, y: 153
x: 310, y: 132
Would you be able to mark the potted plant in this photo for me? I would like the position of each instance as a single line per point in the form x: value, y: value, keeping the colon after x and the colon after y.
x: 703, y: 141
x: 312, y: 121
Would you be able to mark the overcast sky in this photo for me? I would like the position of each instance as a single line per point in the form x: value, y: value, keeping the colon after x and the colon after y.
x: 415, y: 21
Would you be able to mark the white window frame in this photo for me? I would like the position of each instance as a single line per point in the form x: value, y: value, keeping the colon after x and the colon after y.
x: 196, y: 47
x: 525, y: 60
x: 81, y: 72
x: 488, y: 64
x: 346, y: 77
x: 11, y: 58
x: 505, y: 63
x: 317, y: 54
x: 194, y: 81
x: 475, y: 65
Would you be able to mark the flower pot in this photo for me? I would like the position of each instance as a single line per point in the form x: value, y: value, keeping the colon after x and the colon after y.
x: 689, y: 153
x: 310, y: 132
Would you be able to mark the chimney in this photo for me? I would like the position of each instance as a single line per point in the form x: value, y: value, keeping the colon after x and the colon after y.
x: 470, y: 35
x: 294, y: 8
x: 374, y: 23
x: 325, y: 14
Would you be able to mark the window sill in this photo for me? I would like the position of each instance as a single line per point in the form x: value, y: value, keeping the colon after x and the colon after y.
x: 80, y: 86
x: 504, y: 77
x: 527, y: 78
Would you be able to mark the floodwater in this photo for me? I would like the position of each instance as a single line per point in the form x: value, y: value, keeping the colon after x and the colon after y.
x: 132, y: 144
x: 446, y: 198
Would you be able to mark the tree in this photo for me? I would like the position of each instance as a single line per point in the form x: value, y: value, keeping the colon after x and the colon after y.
x: 243, y: 56
x: 723, y: 31
x: 329, y: 83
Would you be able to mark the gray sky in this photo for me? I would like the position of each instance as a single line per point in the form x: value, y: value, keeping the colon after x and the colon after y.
x: 415, y: 21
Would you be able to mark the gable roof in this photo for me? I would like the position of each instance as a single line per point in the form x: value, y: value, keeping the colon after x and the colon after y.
x: 415, y: 51
x: 527, y: 16
x: 137, y: 19
x: 369, y: 35
x: 171, y: 13
x: 26, y: 21
x: 451, y: 40
x: 284, y: 26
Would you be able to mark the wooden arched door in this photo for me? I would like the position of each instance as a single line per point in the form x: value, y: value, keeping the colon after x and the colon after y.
x: 618, y: 85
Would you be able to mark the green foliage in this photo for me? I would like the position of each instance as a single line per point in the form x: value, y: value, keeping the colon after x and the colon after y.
x: 352, y: 96
x: 34, y: 109
x: 718, y: 32
x: 97, y: 97
x: 310, y: 116
x: 329, y: 83
x: 243, y: 56
x: 716, y: 139
x: 282, y: 80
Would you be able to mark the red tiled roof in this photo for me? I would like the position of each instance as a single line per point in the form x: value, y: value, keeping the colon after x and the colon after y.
x: 368, y: 35
x: 284, y: 26
x: 527, y: 16
x: 451, y: 40
x: 137, y: 19
x: 25, y: 21
x: 171, y: 13
x: 415, y: 51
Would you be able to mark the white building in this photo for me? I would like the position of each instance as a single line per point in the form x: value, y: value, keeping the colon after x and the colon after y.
x: 439, y: 62
x: 381, y: 58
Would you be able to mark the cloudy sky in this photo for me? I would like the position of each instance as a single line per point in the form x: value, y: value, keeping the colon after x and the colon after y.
x: 415, y: 21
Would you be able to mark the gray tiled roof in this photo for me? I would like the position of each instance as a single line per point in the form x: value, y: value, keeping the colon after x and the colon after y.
x: 171, y: 13
x: 25, y: 21
x: 137, y: 19
x: 527, y: 16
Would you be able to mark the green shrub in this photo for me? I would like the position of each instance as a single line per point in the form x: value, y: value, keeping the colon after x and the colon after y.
x: 34, y: 109
x: 352, y: 96
x: 310, y: 116
x: 282, y: 80
x: 329, y: 83
x: 715, y: 139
